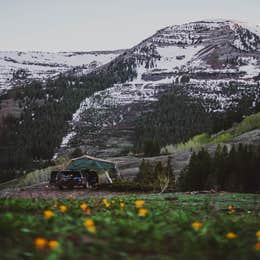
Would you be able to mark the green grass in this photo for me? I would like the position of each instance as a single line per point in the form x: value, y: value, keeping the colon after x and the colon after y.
x: 196, y: 141
x: 35, y: 177
x: 249, y: 123
x: 164, y: 233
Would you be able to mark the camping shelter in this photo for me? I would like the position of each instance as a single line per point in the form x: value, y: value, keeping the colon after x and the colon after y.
x: 103, y: 168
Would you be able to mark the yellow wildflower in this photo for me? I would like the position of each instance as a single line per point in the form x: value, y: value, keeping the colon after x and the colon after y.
x: 197, y: 225
x: 88, y: 222
x: 230, y: 207
x: 40, y: 242
x: 257, y: 246
x: 84, y: 206
x: 48, y: 213
x: 139, y: 203
x: 122, y: 205
x: 113, y: 201
x: 53, y: 244
x: 257, y: 234
x: 90, y: 225
x: 106, y: 203
x: 92, y: 229
x: 63, y: 208
x: 143, y: 212
x: 231, y: 235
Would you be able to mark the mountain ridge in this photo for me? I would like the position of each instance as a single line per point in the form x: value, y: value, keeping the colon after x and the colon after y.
x: 209, y: 55
x: 132, y: 98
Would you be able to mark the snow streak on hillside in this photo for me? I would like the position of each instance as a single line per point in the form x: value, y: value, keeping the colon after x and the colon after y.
x: 204, y: 57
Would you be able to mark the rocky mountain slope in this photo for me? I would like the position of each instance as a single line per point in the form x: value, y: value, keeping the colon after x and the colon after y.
x: 18, y: 68
x: 216, y: 61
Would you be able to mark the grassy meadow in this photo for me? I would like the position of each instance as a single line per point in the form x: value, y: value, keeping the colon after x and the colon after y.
x: 169, y: 226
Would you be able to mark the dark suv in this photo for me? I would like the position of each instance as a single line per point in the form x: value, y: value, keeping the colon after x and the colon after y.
x: 68, y: 179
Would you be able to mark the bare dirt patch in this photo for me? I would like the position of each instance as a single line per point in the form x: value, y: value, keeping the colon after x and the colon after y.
x: 49, y: 191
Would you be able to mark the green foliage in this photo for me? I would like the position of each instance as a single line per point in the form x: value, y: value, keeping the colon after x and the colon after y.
x: 175, y: 118
x: 249, y: 123
x: 160, y: 177
x: 237, y: 170
x: 164, y: 233
x: 126, y: 186
x: 196, y: 141
x: 151, y: 148
x: 35, y: 177
x: 221, y: 138
x: 197, y: 172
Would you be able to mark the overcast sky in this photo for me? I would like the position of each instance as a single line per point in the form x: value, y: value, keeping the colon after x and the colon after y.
x: 64, y: 25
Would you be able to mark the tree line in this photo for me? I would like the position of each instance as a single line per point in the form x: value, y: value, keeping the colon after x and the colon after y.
x: 235, y: 170
x: 177, y: 117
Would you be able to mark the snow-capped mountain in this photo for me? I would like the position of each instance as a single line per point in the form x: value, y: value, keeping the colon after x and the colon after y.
x: 21, y: 67
x: 217, y: 61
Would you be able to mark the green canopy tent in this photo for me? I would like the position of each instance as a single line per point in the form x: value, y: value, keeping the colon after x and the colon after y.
x: 86, y: 162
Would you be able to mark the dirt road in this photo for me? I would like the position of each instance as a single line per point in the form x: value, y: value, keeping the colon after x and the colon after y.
x: 48, y: 191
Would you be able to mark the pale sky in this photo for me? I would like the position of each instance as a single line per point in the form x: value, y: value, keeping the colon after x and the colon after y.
x: 84, y: 25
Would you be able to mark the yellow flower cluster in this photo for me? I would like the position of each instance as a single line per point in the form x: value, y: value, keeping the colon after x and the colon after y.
x: 197, y: 225
x: 139, y: 203
x: 257, y: 244
x: 42, y: 243
x: 85, y: 208
x: 90, y: 225
x: 122, y: 205
x: 231, y: 235
x: 63, y: 208
x: 48, y: 214
x: 106, y: 203
x: 142, y: 212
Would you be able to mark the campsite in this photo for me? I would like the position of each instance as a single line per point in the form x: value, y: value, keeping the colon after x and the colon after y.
x: 84, y: 171
x: 130, y: 130
x: 46, y: 222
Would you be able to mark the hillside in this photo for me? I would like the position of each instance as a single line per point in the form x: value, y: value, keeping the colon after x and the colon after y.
x: 247, y: 132
x: 214, y: 62
x: 158, y: 90
x: 17, y: 68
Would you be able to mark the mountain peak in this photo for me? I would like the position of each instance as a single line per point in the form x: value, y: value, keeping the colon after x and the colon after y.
x: 212, y: 60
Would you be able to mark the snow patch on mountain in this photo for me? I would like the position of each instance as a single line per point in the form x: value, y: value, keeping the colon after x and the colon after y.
x: 250, y: 67
x: 21, y: 67
x: 175, y: 57
x: 215, y: 61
